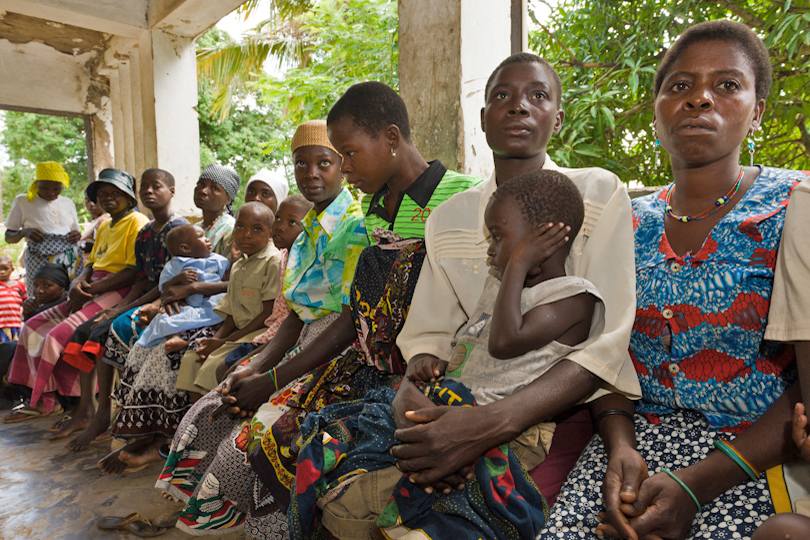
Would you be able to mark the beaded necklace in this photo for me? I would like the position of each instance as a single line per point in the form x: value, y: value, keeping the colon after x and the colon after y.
x: 718, y: 204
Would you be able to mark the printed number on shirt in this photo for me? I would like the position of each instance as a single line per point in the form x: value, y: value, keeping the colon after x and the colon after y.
x: 421, y: 214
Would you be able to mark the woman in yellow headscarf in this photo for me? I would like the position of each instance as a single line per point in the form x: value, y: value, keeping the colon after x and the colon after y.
x: 48, y: 221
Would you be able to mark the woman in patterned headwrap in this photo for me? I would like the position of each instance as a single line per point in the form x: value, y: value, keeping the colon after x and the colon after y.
x: 152, y: 405
x: 214, y: 195
x: 48, y: 221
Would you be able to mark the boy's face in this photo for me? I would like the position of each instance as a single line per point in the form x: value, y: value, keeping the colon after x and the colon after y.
x: 46, y: 291
x: 521, y: 112
x: 49, y: 190
x: 5, y: 271
x: 251, y: 232
x: 199, y: 247
x: 287, y: 225
x: 507, y: 228
x: 260, y: 192
x: 91, y: 207
x: 154, y: 192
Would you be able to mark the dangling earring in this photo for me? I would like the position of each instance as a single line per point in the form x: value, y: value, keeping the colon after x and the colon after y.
x: 393, y: 152
x: 657, y: 149
x: 751, y: 145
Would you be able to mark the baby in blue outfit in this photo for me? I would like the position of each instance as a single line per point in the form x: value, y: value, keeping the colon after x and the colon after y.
x: 191, y: 260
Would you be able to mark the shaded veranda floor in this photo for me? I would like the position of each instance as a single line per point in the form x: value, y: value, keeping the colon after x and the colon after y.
x: 48, y: 493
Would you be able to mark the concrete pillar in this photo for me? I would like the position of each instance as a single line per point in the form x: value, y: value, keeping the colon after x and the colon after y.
x: 124, y: 72
x: 171, y: 133
x: 447, y: 51
x: 101, y: 135
x: 119, y: 156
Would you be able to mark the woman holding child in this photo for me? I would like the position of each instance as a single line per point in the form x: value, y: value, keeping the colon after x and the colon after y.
x: 148, y: 394
x: 705, y: 255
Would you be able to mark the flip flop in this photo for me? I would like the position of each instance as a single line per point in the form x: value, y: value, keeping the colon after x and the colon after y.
x: 134, y: 523
x: 170, y: 520
x: 60, y: 424
x: 26, y: 413
x: 164, y: 451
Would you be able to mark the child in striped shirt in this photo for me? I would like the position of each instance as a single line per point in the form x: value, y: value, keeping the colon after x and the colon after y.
x: 12, y: 296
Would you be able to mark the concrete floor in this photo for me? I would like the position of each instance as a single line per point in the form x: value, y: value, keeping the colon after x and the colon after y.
x: 48, y: 493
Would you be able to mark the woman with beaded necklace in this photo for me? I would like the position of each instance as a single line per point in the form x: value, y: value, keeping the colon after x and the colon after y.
x: 717, y: 398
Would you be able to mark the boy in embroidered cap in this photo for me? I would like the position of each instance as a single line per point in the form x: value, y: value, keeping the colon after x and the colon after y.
x: 48, y: 221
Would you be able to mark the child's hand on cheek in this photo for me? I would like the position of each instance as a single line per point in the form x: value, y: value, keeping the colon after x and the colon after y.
x: 540, y: 244
x: 800, y: 436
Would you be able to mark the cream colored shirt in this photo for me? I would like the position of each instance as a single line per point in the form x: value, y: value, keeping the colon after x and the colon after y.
x: 455, y: 269
x: 789, y: 314
x: 59, y: 214
x: 254, y: 279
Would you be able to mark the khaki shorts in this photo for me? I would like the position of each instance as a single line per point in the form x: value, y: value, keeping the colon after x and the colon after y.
x: 201, y: 377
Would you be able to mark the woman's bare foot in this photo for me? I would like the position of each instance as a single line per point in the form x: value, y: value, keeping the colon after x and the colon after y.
x: 175, y: 344
x: 77, y: 423
x: 97, y: 426
x: 135, y: 457
x: 111, y: 464
x: 169, y: 497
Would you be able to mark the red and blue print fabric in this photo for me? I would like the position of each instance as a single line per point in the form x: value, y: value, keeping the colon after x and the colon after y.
x: 697, y: 342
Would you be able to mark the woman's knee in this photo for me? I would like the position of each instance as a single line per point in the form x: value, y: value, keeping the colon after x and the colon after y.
x: 784, y: 527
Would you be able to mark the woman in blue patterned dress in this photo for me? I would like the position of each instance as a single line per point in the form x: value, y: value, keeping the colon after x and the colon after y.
x: 688, y: 460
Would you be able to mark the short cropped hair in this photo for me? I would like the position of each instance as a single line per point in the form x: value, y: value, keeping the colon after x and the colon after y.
x: 738, y: 33
x: 165, y: 176
x: 545, y: 196
x: 261, y: 209
x: 6, y: 260
x: 372, y: 106
x: 527, y: 58
x: 177, y: 236
x: 299, y: 200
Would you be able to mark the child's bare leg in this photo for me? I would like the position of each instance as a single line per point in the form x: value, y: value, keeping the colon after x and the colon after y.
x: 175, y: 344
x: 101, y: 420
x: 143, y: 454
x: 83, y: 412
x: 784, y: 527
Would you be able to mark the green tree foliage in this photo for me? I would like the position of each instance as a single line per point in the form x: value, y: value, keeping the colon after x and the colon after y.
x: 606, y: 53
x: 344, y: 42
x: 237, y: 140
x: 31, y: 138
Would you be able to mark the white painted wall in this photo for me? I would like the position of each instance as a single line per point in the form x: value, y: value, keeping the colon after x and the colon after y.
x: 485, y: 42
x: 38, y: 76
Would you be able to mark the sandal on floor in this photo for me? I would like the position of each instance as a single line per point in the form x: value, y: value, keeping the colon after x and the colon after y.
x: 134, y: 523
x: 164, y: 450
x: 60, y: 423
x: 21, y: 413
x: 170, y: 520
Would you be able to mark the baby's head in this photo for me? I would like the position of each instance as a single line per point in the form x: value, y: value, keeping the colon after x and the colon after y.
x: 289, y: 220
x: 188, y: 241
x: 50, y: 283
x: 521, y: 204
x: 6, y: 268
x: 251, y: 232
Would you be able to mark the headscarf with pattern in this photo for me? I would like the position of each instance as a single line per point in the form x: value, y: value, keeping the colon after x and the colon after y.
x: 225, y: 177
